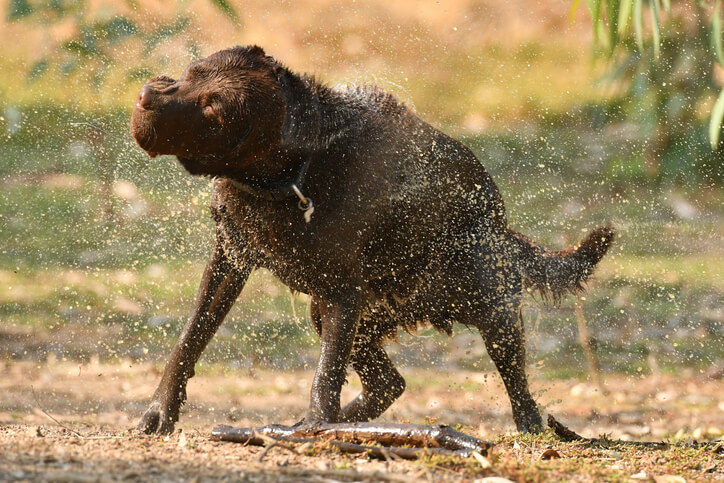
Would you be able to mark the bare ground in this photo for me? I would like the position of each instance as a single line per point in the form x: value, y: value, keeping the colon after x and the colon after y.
x: 95, y: 406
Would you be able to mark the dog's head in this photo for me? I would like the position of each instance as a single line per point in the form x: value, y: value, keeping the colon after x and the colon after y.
x: 224, y: 112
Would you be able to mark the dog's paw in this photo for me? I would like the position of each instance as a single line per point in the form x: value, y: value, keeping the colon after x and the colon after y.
x: 307, y: 425
x: 530, y: 423
x: 156, y: 420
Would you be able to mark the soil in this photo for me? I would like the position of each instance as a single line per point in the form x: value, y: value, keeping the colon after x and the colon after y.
x: 61, y: 421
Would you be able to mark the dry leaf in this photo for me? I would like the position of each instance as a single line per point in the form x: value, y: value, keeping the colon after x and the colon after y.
x: 484, y: 462
x: 669, y: 479
x: 182, y: 440
x: 305, y: 446
x: 550, y: 454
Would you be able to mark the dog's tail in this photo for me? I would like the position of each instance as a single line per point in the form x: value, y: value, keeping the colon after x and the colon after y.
x: 554, y: 273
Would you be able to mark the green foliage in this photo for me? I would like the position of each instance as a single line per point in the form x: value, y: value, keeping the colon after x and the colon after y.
x: 164, y: 32
x: 663, y: 57
x: 98, y: 40
x: 18, y: 9
x: 717, y: 115
x: 226, y: 8
x: 38, y: 69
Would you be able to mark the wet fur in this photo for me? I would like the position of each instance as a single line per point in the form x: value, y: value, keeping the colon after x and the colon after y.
x: 409, y: 228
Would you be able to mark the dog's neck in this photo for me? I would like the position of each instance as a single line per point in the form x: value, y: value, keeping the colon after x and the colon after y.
x: 314, y: 118
x: 316, y: 114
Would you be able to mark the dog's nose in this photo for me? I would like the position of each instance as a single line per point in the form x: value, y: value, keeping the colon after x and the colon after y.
x: 145, y: 98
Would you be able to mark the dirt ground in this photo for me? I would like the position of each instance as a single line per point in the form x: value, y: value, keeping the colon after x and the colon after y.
x: 61, y: 421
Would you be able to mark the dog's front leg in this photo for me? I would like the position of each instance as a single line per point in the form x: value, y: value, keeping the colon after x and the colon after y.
x: 338, y: 323
x: 220, y: 286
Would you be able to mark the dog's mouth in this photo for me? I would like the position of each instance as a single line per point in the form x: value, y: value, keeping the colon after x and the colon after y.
x: 151, y: 154
x: 144, y: 132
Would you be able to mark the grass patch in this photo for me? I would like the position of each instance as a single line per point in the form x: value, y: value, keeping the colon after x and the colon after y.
x: 132, y: 269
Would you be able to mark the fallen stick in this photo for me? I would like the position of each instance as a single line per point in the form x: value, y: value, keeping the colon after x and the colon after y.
x: 584, y: 338
x: 418, y: 440
x: 568, y: 435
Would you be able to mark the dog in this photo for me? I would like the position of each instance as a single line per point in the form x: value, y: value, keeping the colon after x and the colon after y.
x: 345, y: 195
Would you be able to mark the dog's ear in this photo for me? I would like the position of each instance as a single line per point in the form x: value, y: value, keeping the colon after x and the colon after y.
x: 257, y: 51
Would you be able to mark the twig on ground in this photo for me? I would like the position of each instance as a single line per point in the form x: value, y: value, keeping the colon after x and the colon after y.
x: 568, y: 435
x: 40, y: 406
x: 584, y: 338
x: 72, y: 431
x: 273, y: 443
x: 276, y: 444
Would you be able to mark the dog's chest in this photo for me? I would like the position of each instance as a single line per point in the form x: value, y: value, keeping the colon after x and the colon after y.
x: 275, y: 235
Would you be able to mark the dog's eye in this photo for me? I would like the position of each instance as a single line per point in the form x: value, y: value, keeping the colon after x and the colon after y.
x: 210, y: 110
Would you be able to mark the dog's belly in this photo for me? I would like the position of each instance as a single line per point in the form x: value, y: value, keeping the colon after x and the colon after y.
x: 430, y: 304
x: 446, y: 290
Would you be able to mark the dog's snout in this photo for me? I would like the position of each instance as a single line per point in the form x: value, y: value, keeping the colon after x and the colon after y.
x: 145, y: 98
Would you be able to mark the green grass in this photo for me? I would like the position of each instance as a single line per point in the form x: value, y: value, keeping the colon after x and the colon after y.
x: 133, y: 271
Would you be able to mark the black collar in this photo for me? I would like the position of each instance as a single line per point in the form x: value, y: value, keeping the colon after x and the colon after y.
x: 278, y: 190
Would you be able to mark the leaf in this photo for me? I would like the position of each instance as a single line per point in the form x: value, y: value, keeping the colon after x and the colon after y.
x: 139, y: 74
x: 667, y: 5
x: 482, y: 460
x: 69, y: 66
x: 85, y: 46
x: 18, y: 9
x: 38, y: 69
x: 716, y: 33
x: 98, y: 76
x: 624, y: 16
x: 656, y: 27
x: 612, y: 9
x: 572, y: 11
x: 638, y: 24
x: 550, y: 454
x: 227, y: 9
x: 594, y: 6
x: 165, y: 32
x: 669, y: 479
x: 715, y: 121
x: 118, y: 28
x: 193, y: 49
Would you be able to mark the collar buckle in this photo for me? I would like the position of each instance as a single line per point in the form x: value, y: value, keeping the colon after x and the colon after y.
x: 284, y: 190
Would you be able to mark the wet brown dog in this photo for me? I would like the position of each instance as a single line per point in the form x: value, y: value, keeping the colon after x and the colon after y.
x: 344, y: 194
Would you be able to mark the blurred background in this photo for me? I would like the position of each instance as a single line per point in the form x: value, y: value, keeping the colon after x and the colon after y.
x: 583, y: 117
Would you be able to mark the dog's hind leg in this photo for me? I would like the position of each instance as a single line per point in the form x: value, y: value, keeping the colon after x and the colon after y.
x: 494, y: 311
x: 502, y: 332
